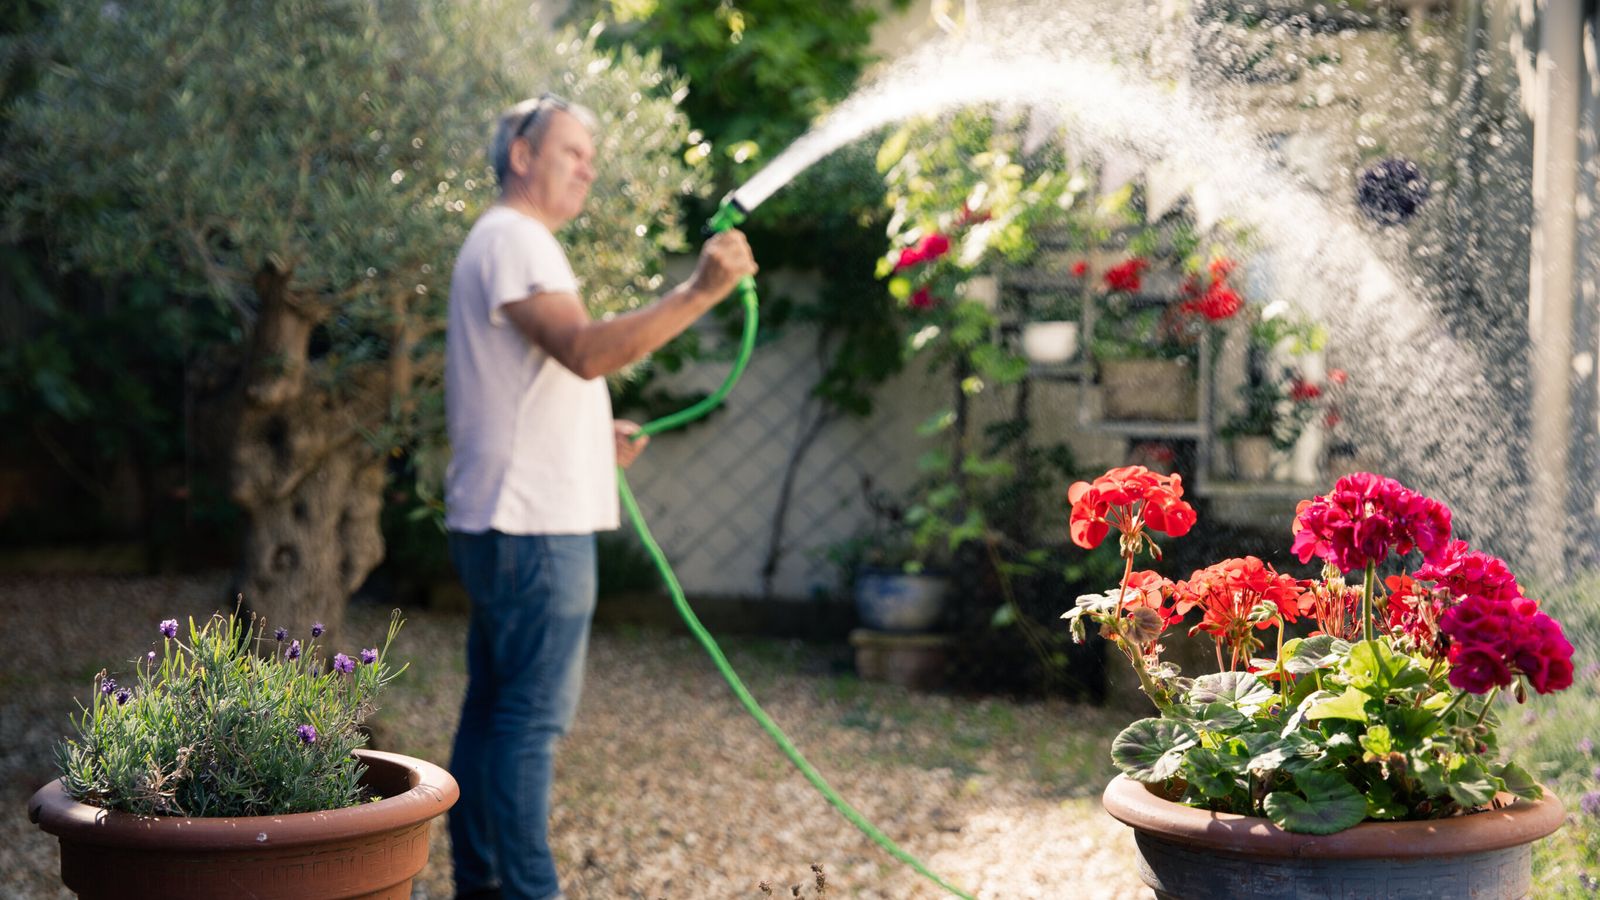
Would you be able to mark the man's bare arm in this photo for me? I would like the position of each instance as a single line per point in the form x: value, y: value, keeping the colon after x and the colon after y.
x: 589, y: 348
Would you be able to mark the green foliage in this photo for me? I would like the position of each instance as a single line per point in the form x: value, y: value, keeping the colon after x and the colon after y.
x: 759, y: 70
x: 340, y: 141
x: 758, y: 74
x: 213, y: 723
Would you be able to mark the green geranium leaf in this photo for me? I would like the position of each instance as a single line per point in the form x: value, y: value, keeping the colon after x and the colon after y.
x: 1214, y: 717
x: 1470, y: 784
x: 1352, y: 704
x: 1519, y: 782
x: 1381, y: 803
x: 1430, y: 772
x: 1377, y: 742
x: 1409, y: 725
x: 1339, y: 745
x: 1379, y: 671
x: 1213, y: 772
x: 1329, y: 804
x: 1304, y: 655
x: 1290, y: 753
x: 1241, y: 690
x: 1151, y: 750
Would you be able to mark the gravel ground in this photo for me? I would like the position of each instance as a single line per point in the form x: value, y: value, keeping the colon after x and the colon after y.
x: 666, y: 788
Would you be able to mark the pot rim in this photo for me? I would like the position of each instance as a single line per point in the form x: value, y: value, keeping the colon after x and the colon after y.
x: 1522, y: 822
x: 432, y: 791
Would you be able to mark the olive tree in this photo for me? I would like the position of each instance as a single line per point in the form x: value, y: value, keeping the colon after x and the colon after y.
x: 313, y: 166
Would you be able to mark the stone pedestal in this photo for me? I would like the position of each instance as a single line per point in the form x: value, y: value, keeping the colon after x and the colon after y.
x: 915, y: 661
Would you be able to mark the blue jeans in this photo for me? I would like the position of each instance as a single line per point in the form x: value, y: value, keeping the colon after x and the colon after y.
x: 532, y: 599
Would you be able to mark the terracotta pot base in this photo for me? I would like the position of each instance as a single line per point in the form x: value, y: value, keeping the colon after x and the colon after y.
x: 366, y: 852
x: 1192, y: 854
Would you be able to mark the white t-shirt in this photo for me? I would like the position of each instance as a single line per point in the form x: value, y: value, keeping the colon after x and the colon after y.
x: 531, y: 441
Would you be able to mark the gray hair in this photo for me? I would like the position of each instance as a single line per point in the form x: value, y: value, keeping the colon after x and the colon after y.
x: 531, y: 119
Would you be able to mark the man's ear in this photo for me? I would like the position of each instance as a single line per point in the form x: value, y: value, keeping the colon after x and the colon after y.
x: 521, y: 157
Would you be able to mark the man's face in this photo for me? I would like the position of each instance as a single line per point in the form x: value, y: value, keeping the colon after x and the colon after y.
x: 562, y: 167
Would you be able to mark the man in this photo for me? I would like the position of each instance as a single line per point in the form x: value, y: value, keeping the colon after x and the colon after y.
x: 532, y: 479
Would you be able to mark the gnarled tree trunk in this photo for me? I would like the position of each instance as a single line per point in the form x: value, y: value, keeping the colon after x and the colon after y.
x: 308, y: 480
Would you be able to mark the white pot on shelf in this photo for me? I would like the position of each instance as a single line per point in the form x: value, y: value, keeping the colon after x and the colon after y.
x: 1050, y: 343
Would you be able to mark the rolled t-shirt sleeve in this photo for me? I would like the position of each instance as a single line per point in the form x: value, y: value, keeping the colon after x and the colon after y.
x: 531, y: 262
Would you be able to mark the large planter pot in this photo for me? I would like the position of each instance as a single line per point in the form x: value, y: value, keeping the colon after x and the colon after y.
x: 1191, y: 854
x: 1160, y: 390
x: 369, y: 851
x: 891, y: 600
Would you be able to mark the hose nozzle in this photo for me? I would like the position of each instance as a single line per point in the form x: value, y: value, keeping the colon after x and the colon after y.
x: 729, y: 215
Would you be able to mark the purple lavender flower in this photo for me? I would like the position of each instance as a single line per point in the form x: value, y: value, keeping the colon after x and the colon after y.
x: 107, y: 685
x: 344, y: 663
x: 317, y: 629
x: 369, y: 656
x: 150, y: 657
x: 293, y: 652
x: 280, y: 634
x: 1586, y: 746
x: 123, y: 696
x: 1590, y: 803
x: 169, y: 628
x: 308, y: 734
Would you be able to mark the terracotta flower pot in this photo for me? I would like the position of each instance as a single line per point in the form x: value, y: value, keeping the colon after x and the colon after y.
x: 1192, y: 854
x: 370, y: 851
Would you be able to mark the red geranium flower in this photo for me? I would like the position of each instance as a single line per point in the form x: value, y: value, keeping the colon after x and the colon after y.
x: 929, y: 248
x: 1228, y: 595
x: 1302, y: 391
x: 1125, y: 275
x: 1220, y: 268
x: 1130, y: 499
x: 1413, y: 612
x: 1080, y: 269
x: 922, y: 299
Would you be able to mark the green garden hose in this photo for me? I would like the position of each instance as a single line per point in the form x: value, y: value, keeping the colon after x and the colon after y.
x: 729, y: 216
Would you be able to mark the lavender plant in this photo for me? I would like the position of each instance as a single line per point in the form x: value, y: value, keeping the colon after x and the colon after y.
x: 229, y: 720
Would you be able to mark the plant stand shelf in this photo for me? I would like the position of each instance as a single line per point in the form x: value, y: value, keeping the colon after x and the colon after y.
x: 1254, y: 502
x: 914, y: 660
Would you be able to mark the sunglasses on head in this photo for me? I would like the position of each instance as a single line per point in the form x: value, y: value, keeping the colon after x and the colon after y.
x: 545, y: 102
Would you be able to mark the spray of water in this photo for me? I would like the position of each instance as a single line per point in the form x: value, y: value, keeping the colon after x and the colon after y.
x: 1421, y: 402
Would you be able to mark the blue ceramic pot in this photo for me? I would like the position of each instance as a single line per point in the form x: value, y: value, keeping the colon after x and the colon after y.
x: 891, y: 600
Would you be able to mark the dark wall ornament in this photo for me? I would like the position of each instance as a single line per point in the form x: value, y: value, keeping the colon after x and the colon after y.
x: 1390, y: 191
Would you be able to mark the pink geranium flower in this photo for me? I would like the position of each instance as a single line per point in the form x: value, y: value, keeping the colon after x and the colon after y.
x: 1364, y: 518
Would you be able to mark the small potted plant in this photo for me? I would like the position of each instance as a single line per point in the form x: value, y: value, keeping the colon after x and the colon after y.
x: 230, y: 760
x: 1050, y: 337
x: 1274, y: 416
x: 1146, y: 359
x: 895, y: 580
x: 1358, y: 760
